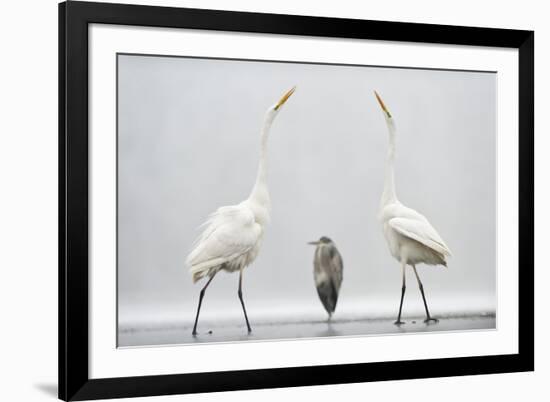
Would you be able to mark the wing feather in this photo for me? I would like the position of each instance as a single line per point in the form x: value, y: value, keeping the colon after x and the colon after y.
x: 336, y: 269
x: 422, y: 232
x: 229, y: 233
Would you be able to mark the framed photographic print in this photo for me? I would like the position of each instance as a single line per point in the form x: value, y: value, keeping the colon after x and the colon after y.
x: 257, y: 200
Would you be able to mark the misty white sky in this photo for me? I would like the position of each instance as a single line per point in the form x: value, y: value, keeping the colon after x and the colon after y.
x: 188, y: 142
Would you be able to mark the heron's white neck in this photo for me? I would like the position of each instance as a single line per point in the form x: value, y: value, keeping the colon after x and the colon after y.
x: 389, y: 195
x: 260, y: 193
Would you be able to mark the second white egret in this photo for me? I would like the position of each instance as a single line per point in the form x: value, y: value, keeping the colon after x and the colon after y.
x: 411, y: 238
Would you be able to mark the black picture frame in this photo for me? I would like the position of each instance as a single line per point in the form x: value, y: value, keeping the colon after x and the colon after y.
x: 74, y: 381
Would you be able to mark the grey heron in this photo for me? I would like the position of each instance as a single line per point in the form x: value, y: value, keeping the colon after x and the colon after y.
x: 328, y: 270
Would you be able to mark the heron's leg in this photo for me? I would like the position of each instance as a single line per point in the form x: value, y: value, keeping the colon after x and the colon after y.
x: 428, y: 317
x: 240, y: 293
x: 203, y: 290
x: 403, y: 287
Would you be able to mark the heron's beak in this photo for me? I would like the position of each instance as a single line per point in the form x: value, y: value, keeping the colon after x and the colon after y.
x: 382, y: 105
x: 313, y: 243
x: 285, y: 98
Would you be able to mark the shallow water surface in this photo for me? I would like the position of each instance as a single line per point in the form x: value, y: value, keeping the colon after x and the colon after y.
x: 236, y: 331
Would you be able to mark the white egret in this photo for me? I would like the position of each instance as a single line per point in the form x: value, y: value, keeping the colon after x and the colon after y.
x: 328, y: 270
x: 411, y: 238
x: 233, y: 234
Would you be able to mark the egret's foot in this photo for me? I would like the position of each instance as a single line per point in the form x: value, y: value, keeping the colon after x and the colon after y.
x: 194, y: 333
x: 249, y: 330
x: 399, y: 322
x: 430, y: 319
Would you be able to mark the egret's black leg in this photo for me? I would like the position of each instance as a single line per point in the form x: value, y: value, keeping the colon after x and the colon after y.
x: 428, y: 317
x: 403, y: 287
x: 240, y: 293
x: 399, y: 322
x: 200, y: 302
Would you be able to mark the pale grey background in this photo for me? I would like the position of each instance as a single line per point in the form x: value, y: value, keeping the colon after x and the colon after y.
x: 188, y: 140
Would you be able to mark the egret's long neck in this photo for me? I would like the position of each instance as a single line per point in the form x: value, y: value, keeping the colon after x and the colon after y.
x: 389, y: 195
x: 260, y: 193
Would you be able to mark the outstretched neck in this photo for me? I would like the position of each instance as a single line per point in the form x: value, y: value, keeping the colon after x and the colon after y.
x: 389, y: 195
x: 260, y: 193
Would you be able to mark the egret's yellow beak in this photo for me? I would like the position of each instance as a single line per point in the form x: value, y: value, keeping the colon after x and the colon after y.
x: 382, y: 105
x: 314, y: 243
x: 285, y: 98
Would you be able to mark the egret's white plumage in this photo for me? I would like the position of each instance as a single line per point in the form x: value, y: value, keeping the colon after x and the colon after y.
x: 230, y: 241
x: 410, y: 236
x: 232, y: 235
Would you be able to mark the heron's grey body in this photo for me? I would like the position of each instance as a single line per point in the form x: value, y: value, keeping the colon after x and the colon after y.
x: 328, y: 269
